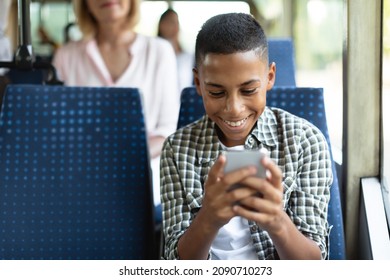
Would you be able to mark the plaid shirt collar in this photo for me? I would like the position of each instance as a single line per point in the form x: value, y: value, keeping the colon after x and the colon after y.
x: 265, y: 134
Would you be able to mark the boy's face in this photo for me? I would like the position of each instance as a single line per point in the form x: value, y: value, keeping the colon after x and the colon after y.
x: 233, y: 88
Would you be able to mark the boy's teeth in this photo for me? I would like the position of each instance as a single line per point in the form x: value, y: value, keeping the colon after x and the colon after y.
x: 238, y: 123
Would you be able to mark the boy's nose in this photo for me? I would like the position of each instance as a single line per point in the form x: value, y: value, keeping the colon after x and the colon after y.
x: 233, y: 104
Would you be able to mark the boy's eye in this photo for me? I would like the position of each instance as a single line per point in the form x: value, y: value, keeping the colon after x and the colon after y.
x: 216, y: 93
x: 249, y: 91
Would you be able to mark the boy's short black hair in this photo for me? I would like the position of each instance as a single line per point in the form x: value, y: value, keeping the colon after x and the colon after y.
x: 231, y: 33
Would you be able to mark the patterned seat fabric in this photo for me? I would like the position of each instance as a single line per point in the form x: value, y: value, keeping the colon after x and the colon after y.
x: 74, y: 174
x: 281, y: 51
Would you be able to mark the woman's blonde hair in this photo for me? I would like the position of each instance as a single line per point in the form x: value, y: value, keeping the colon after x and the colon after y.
x: 87, y: 23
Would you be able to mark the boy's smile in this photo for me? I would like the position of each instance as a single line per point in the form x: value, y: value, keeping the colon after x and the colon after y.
x: 233, y: 88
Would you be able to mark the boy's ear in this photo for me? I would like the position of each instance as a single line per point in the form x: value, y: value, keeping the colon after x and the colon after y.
x: 271, y: 75
x: 196, y: 80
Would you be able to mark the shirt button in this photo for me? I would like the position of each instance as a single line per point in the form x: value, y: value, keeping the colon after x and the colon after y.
x: 253, y: 229
x: 251, y: 140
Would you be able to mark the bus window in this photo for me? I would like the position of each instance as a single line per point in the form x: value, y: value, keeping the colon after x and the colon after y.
x: 385, y: 106
x: 318, y: 38
x: 48, y: 21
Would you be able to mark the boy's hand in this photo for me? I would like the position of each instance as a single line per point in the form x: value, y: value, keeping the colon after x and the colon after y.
x: 219, y: 199
x: 266, y: 209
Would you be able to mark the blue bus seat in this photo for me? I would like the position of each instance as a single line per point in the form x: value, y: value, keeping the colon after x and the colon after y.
x: 281, y: 51
x: 32, y: 76
x: 307, y: 103
x: 74, y: 174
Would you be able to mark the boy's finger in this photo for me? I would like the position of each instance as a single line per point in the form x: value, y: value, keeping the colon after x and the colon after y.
x: 216, y: 170
x: 239, y: 175
x: 275, y: 177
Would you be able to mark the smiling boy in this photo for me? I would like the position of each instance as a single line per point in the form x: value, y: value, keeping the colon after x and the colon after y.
x: 202, y: 217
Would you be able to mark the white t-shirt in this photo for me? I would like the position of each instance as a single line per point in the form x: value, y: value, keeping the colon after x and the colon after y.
x: 233, y: 241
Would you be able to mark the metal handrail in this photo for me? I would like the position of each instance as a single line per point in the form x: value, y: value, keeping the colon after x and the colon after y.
x: 24, y: 58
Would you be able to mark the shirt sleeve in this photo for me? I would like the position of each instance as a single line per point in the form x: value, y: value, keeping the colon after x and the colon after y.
x: 59, y: 63
x: 176, y: 217
x: 309, y: 193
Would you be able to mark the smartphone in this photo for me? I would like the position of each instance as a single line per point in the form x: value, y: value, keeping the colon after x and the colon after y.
x: 239, y: 159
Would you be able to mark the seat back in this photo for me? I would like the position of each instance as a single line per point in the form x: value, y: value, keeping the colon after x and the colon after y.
x: 191, y: 107
x: 307, y: 103
x: 33, y: 76
x: 74, y: 174
x: 281, y: 51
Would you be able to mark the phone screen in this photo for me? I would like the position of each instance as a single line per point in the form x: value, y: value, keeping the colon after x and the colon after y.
x: 240, y: 159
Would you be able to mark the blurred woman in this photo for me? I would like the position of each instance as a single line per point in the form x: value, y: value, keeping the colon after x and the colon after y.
x: 112, y: 54
x: 169, y: 29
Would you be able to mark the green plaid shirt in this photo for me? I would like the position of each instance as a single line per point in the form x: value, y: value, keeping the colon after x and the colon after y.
x: 297, y: 147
